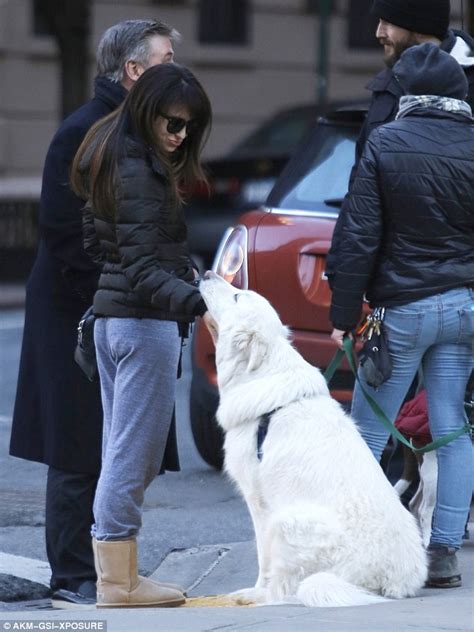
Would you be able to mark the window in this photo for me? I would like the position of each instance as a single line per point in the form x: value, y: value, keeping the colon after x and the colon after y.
x: 223, y: 22
x: 317, y: 177
x: 40, y: 24
x: 361, y: 25
x: 319, y: 6
x: 321, y: 179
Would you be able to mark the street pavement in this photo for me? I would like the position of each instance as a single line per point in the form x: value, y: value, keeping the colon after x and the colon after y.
x: 210, y: 560
x: 225, y: 567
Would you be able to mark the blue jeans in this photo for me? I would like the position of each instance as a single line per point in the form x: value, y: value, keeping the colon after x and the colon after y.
x: 436, y: 333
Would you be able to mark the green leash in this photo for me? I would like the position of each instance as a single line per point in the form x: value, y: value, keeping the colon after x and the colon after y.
x: 349, y: 353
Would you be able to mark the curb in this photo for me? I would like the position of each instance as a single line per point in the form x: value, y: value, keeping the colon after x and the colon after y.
x: 14, y: 589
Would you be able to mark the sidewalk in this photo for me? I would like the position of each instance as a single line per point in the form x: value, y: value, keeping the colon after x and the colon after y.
x: 218, y: 569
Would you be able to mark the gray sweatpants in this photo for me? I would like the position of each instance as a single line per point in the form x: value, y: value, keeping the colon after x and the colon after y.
x: 138, y: 361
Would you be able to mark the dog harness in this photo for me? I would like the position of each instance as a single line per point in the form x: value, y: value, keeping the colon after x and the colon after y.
x: 262, y: 430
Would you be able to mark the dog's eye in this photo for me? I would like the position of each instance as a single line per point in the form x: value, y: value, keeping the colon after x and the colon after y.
x: 236, y: 297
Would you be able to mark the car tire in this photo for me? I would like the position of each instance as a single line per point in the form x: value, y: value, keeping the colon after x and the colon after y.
x: 207, y: 434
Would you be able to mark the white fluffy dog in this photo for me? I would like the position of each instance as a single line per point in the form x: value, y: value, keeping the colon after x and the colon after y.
x: 330, y: 529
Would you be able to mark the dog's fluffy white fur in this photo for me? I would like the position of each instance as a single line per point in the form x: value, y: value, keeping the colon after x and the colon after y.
x: 330, y: 529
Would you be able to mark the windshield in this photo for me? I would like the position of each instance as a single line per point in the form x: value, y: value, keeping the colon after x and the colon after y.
x: 317, y: 178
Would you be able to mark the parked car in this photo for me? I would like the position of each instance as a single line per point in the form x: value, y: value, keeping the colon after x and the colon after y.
x: 243, y: 178
x: 279, y: 250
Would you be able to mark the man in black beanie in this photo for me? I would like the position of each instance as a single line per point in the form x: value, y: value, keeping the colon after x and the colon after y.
x: 406, y: 20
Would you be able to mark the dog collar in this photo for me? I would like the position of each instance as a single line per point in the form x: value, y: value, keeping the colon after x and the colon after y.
x: 262, y: 430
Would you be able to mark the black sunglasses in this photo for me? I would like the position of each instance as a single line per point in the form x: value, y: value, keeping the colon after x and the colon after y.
x: 176, y: 124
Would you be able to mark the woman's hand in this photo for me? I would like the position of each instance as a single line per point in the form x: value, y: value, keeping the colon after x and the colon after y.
x: 338, y: 335
x: 211, y: 326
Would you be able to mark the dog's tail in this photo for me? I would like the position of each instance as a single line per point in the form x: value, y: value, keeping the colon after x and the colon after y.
x: 325, y: 590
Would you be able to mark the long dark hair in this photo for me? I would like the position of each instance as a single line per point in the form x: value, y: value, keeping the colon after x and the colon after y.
x: 160, y: 88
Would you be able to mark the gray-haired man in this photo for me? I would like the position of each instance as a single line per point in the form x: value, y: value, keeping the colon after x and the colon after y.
x: 58, y: 414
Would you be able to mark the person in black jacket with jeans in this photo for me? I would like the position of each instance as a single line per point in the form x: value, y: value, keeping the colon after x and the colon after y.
x: 132, y: 168
x: 58, y: 414
x: 407, y: 244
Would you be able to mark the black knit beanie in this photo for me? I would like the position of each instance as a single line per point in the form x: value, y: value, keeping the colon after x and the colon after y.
x: 426, y: 69
x: 430, y: 17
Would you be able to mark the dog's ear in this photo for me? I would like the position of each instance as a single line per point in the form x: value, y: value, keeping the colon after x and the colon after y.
x: 251, y: 345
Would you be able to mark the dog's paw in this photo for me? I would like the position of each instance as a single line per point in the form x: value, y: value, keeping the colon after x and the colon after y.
x: 247, y: 596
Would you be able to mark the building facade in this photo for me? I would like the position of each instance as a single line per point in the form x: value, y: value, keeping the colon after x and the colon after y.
x: 253, y: 57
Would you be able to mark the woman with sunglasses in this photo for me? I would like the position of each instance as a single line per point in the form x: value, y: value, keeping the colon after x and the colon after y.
x: 132, y: 168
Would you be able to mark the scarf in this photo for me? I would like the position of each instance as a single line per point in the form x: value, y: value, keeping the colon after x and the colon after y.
x: 410, y: 102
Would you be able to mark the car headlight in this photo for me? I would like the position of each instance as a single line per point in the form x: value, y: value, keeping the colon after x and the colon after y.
x: 231, y: 258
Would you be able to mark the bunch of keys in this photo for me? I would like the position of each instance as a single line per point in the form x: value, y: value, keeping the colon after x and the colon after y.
x: 371, y: 324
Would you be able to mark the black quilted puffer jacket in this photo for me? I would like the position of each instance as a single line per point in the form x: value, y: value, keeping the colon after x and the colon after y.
x: 146, y: 268
x: 408, y: 225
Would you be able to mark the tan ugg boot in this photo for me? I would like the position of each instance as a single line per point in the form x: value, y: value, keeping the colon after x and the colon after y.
x: 118, y: 582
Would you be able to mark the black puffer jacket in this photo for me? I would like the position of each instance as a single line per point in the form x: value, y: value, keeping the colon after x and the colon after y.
x: 147, y: 271
x: 408, y: 229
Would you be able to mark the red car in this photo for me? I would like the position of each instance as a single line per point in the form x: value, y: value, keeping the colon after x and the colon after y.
x: 279, y: 250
